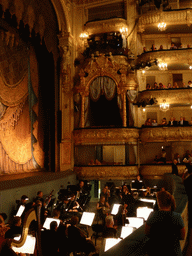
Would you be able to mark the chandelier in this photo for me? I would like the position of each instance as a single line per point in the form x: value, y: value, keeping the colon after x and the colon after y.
x: 162, y: 26
x: 164, y: 106
x: 162, y: 66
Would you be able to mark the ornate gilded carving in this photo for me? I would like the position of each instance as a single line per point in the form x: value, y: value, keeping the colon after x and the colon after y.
x: 160, y: 134
x: 96, y: 27
x: 106, y: 172
x: 176, y: 17
x: 108, y: 136
x: 177, y: 96
x: 158, y: 170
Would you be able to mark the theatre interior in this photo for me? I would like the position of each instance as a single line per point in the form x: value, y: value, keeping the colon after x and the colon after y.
x: 98, y: 91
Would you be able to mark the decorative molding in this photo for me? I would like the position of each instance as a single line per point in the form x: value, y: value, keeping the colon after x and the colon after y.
x: 158, y: 170
x: 169, y: 56
x: 172, y: 18
x: 105, y: 136
x: 172, y: 96
x: 110, y: 25
x: 164, y: 134
x: 106, y: 172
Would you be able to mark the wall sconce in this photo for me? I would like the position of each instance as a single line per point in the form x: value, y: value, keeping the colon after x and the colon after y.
x: 162, y: 26
x: 190, y: 67
x: 164, y: 106
x: 162, y: 66
x: 84, y: 35
x: 124, y: 31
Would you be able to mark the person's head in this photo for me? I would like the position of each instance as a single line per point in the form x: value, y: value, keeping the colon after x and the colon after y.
x: 2, y: 222
x: 17, y: 221
x: 181, y: 118
x: 165, y: 201
x: 105, y: 189
x: 74, y: 220
x: 109, y: 221
x: 53, y: 226
x: 40, y: 194
x: 56, y: 213
x: 175, y: 161
x: 102, y: 199
x: 24, y: 199
x: 154, y: 121
x: 81, y: 183
x: 138, y: 177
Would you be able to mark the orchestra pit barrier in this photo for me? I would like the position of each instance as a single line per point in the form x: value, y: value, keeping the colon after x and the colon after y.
x: 135, y: 244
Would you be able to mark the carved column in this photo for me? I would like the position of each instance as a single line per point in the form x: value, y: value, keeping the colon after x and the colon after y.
x: 66, y: 100
x: 82, y: 123
x: 124, y: 109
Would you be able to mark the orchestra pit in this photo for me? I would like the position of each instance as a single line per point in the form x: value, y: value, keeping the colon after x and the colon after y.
x: 95, y: 127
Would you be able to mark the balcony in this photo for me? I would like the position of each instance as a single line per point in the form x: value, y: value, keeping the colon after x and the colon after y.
x: 177, y: 96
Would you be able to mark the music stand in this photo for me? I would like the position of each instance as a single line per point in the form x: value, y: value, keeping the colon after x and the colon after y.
x: 143, y: 212
x: 126, y: 231
x: 87, y: 218
x: 115, y: 209
x: 28, y: 247
x: 48, y: 221
x: 110, y: 242
x: 135, y: 222
x: 20, y: 210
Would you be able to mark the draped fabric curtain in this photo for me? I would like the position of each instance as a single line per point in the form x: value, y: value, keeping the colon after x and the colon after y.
x: 19, y: 150
x: 131, y: 96
x: 102, y: 85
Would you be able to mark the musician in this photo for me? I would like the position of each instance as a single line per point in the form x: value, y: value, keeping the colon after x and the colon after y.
x: 128, y: 201
x: 73, y: 205
x: 82, y: 195
x: 39, y: 199
x: 138, y: 183
x: 103, y: 208
x: 15, y: 229
x: 106, y: 193
x: 109, y: 230
x: 77, y: 239
x: 24, y: 201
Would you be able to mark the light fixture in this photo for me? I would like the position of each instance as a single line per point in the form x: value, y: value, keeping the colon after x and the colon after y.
x: 164, y: 106
x: 84, y: 35
x: 143, y: 109
x: 191, y: 106
x: 143, y: 71
x: 162, y: 26
x: 190, y: 67
x: 162, y: 66
x: 124, y: 31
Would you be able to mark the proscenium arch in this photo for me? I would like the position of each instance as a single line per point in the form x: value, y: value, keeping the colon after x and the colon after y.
x: 62, y: 15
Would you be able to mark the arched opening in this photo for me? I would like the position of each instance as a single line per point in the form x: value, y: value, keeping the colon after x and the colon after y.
x: 103, y: 104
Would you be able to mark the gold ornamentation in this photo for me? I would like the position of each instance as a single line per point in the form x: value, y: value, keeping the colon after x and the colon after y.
x: 106, y: 172
x: 108, y: 136
x: 160, y: 134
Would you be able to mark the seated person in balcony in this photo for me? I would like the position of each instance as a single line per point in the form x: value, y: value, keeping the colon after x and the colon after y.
x: 161, y: 86
x: 155, y: 86
x: 154, y: 122
x: 144, y: 49
x: 182, y: 121
x: 148, y: 122
x: 172, y: 121
x: 163, y: 122
x: 190, y: 122
x: 163, y: 156
x: 161, y: 47
x: 153, y: 48
x: 173, y: 46
x: 164, y: 227
x: 175, y: 85
x: 169, y: 86
x: 189, y: 84
x: 109, y: 230
x: 148, y: 87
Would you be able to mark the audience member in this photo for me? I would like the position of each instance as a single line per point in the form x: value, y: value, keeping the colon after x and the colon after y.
x: 172, y: 122
x: 163, y: 156
x: 161, y: 47
x: 169, y: 86
x: 153, y: 48
x: 189, y: 83
x: 175, y: 85
x: 174, y: 167
x: 163, y: 122
x: 148, y: 122
x: 155, y: 86
x: 161, y: 86
x: 154, y: 122
x: 164, y: 227
x: 173, y: 46
x: 148, y: 87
